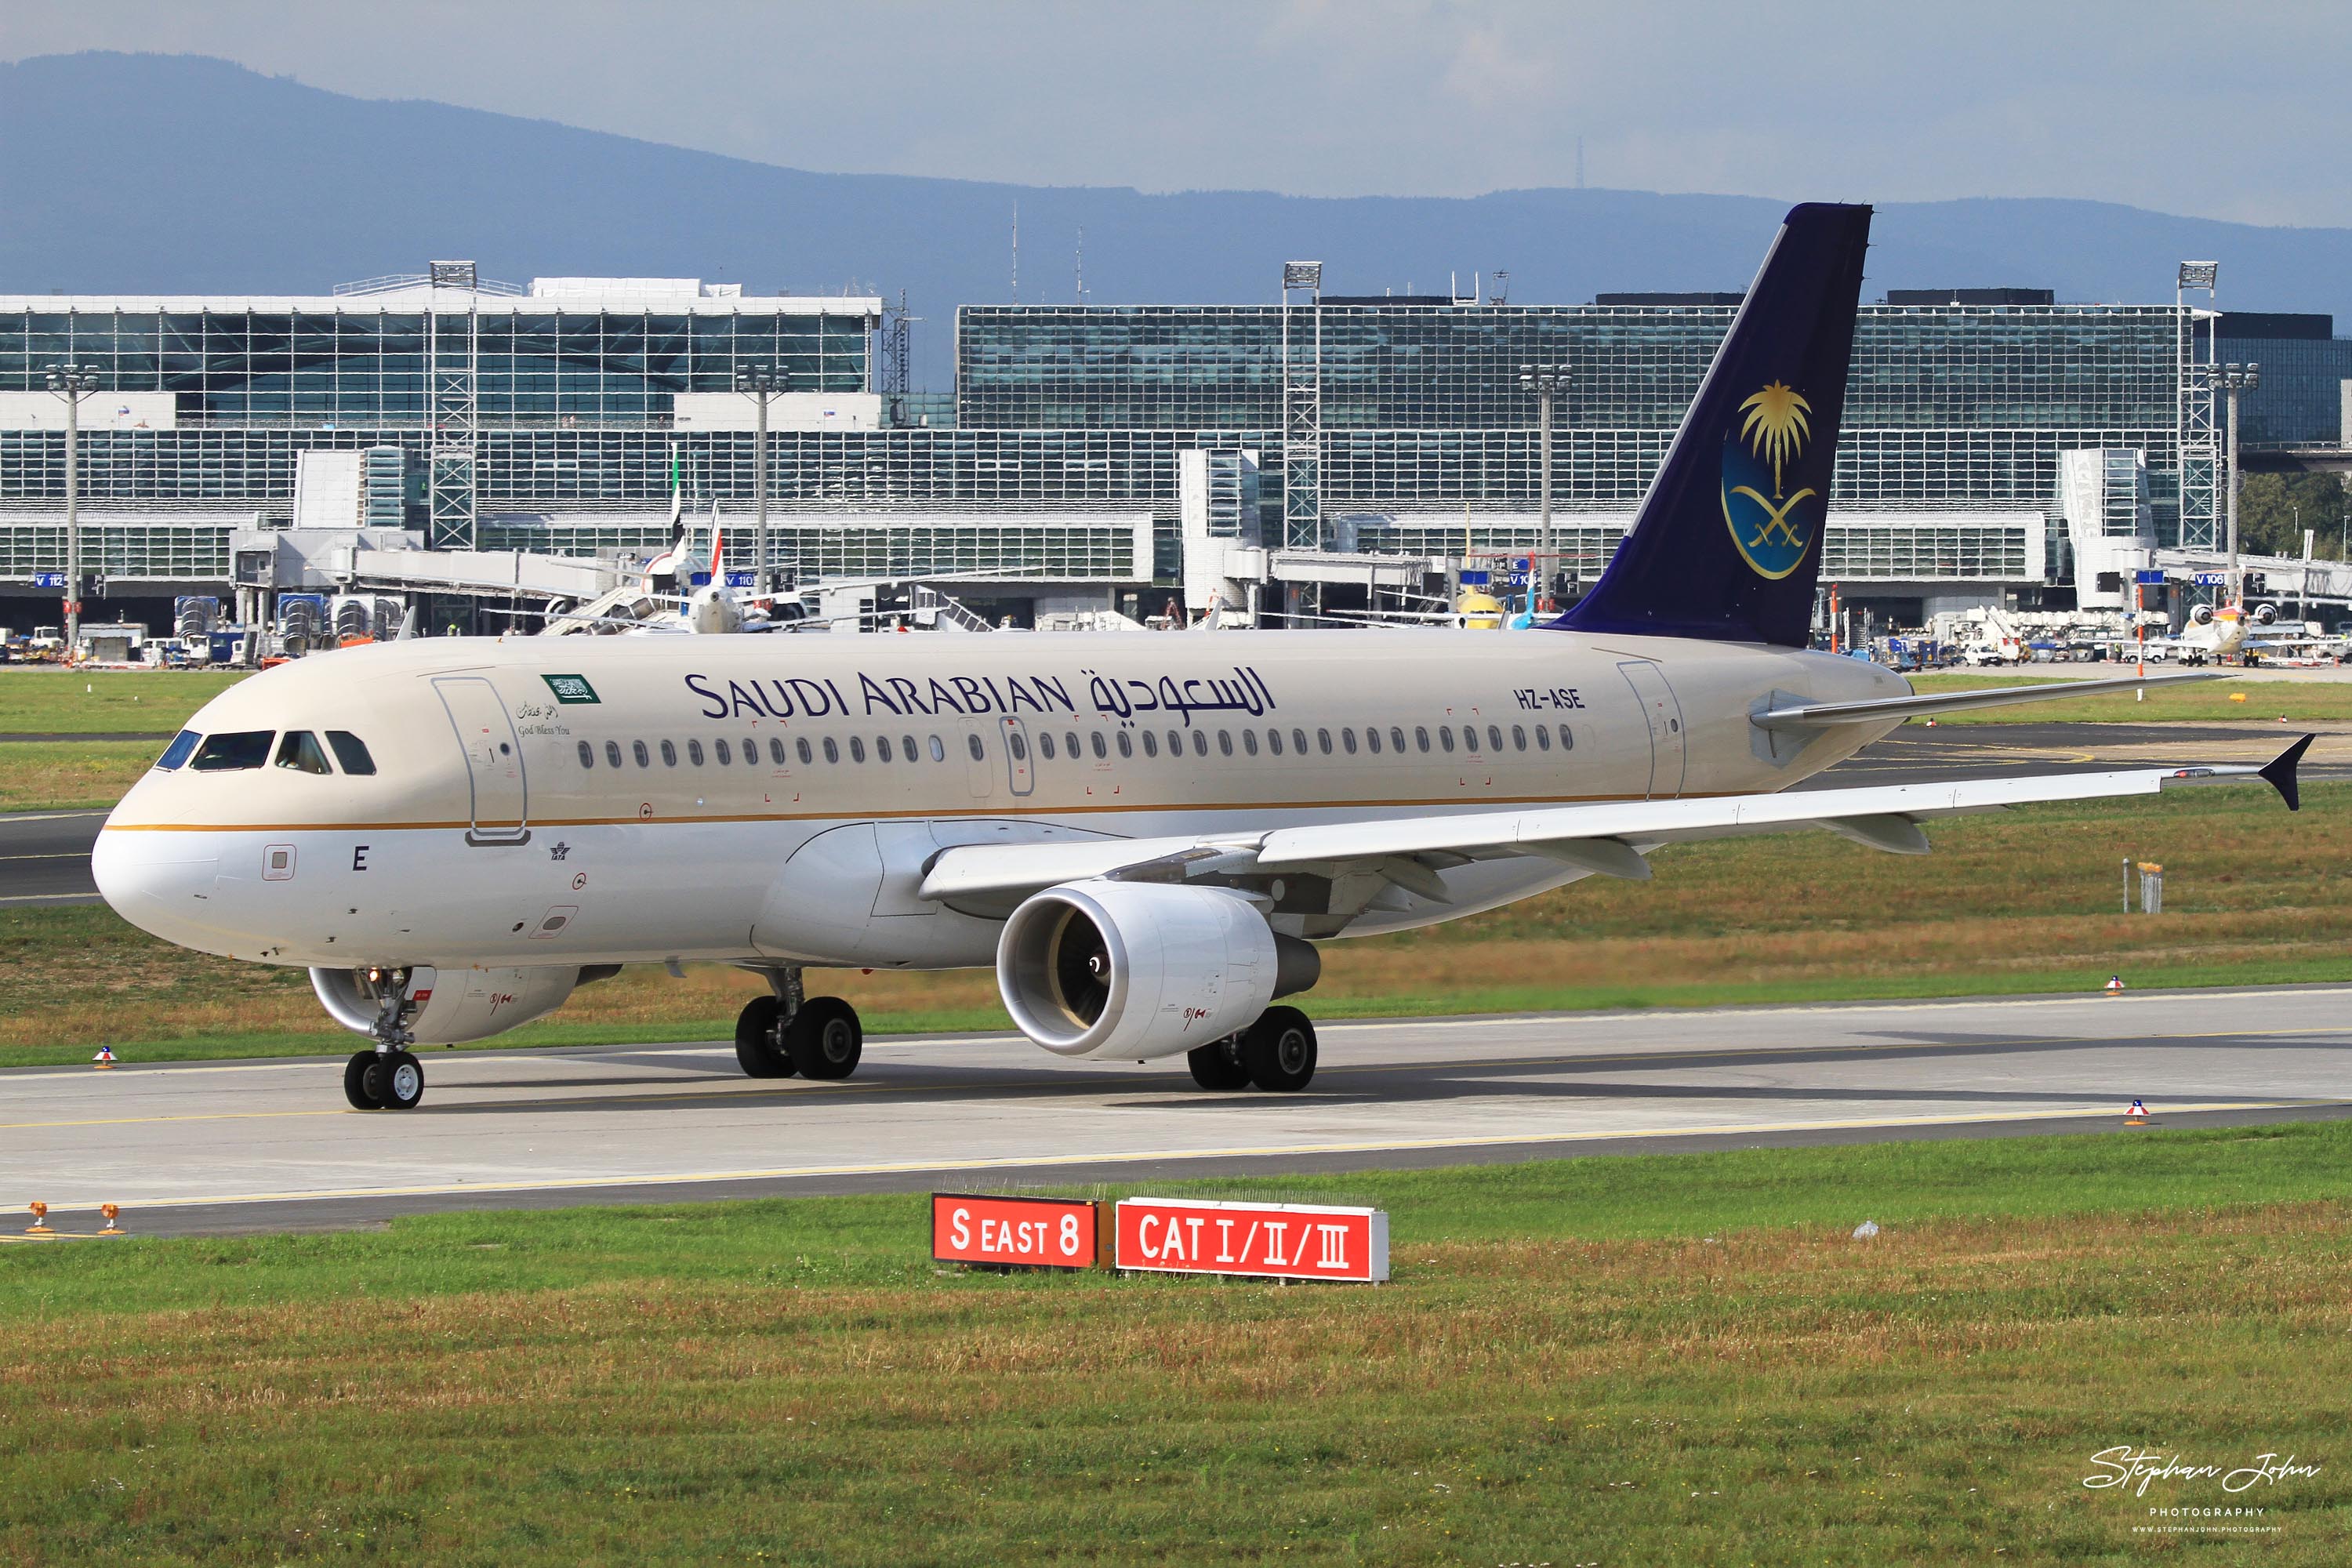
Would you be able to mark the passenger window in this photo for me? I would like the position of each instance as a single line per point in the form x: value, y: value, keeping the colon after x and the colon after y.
x: 882, y: 748
x: 1274, y: 741
x: 587, y: 756
x: 750, y: 750
x: 1045, y: 743
x: 1396, y: 739
x: 776, y: 751
x: 233, y: 752
x: 1323, y: 739
x: 907, y: 743
x: 721, y: 750
x: 1101, y: 750
x: 1495, y: 736
x: 1567, y: 738
x: 1372, y: 738
x: 177, y: 752
x: 1127, y: 743
x: 1150, y: 744
x: 856, y: 747
x: 1070, y: 739
x: 1249, y: 742
x: 669, y: 754
x: 645, y: 758
x: 612, y: 756
x: 694, y: 752
x: 1200, y: 743
x: 1470, y: 738
x: 1543, y: 739
x: 807, y: 756
x: 1020, y: 747
x: 1175, y: 742
x: 1298, y: 742
x: 1445, y: 736
x: 1224, y: 742
x: 1348, y: 740
x: 1518, y: 738
x: 972, y: 744
x: 831, y: 749
x: 300, y: 750
x: 939, y: 751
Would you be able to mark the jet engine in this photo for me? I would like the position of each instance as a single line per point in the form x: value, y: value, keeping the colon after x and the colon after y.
x: 1139, y: 970
x: 445, y: 1007
x: 2200, y: 615
x: 2264, y: 615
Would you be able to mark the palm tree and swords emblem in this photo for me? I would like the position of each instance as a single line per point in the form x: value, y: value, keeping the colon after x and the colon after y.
x: 1774, y: 427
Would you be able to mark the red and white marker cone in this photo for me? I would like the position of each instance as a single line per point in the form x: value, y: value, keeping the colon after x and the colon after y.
x: 2137, y: 1116
x: 104, y: 1059
x: 2114, y: 984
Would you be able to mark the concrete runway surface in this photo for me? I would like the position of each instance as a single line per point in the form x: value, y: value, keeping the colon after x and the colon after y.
x: 45, y: 855
x: 234, y: 1146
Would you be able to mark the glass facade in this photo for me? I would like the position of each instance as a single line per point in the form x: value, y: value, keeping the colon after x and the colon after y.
x: 2301, y: 399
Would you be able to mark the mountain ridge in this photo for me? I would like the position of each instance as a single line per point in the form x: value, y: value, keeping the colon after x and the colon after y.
x: 284, y: 188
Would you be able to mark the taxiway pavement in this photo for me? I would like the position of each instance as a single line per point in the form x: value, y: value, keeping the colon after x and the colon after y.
x: 233, y: 1146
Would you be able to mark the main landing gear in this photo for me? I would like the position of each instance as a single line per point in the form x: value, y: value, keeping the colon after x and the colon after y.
x: 388, y: 1077
x: 780, y: 1035
x: 1276, y: 1054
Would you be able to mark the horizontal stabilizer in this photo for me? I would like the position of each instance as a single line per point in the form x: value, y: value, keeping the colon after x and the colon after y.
x: 1928, y: 704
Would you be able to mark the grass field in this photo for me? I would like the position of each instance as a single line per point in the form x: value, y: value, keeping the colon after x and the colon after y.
x: 2319, y: 702
x: 97, y: 702
x: 70, y: 775
x: 2029, y: 900
x: 1685, y: 1360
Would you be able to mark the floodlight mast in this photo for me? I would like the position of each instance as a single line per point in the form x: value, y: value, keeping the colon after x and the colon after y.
x: 73, y: 383
x: 2237, y: 378
x: 762, y: 381
x: 1544, y: 380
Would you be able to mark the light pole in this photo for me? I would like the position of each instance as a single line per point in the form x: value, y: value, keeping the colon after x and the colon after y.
x: 73, y: 383
x: 2237, y: 378
x: 1543, y: 380
x: 762, y: 382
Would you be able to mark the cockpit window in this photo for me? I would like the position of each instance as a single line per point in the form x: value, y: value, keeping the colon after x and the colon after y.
x: 230, y: 753
x: 177, y: 752
x: 351, y: 752
x: 300, y: 751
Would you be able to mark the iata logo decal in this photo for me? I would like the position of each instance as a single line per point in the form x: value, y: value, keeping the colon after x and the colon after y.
x: 1772, y: 527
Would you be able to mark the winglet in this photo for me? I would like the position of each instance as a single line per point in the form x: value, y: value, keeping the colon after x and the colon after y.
x: 2279, y: 773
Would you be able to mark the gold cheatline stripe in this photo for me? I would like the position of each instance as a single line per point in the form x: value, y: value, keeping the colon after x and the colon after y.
x: 672, y: 821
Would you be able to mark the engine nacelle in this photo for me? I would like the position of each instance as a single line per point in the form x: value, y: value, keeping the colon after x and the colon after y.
x: 1141, y: 970
x: 2200, y: 615
x: 2265, y: 615
x: 449, y: 1006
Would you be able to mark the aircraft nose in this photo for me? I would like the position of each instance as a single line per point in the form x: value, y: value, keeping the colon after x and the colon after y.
x: 160, y: 882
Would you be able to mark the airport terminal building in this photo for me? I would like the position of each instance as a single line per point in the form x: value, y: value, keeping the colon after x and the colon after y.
x: 1086, y: 453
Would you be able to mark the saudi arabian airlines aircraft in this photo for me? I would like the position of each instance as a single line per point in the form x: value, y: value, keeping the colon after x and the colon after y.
x: 1144, y: 835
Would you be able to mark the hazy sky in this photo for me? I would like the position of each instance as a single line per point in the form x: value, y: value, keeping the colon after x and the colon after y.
x: 2229, y: 112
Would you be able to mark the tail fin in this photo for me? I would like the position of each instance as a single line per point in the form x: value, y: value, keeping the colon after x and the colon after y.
x: 1728, y: 544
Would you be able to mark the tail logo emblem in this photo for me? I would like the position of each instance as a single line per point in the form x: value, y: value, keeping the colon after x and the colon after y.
x: 1773, y: 532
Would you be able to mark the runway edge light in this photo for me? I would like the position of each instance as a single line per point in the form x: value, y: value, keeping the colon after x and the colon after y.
x: 1272, y: 1241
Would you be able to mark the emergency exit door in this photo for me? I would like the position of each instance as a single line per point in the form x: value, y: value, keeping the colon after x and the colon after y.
x: 1665, y: 718
x: 493, y: 759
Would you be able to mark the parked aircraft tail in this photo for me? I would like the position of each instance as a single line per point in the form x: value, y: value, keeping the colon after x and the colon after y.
x: 1728, y: 544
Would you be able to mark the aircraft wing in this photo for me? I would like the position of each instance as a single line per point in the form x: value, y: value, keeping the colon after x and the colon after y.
x: 1608, y: 839
x: 1923, y: 705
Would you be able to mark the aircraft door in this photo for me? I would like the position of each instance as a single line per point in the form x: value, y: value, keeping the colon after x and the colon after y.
x: 979, y: 775
x: 1665, y: 720
x: 1020, y: 762
x: 493, y: 759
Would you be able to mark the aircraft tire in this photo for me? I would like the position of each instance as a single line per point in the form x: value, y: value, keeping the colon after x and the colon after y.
x: 404, y: 1082
x: 1218, y: 1066
x: 824, y: 1038
x: 756, y: 1047
x: 1279, y: 1050
x: 355, y: 1081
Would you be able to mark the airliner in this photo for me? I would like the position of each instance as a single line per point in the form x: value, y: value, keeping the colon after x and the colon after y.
x: 1147, y: 837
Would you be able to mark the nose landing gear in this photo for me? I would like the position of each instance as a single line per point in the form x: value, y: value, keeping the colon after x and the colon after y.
x: 388, y: 1077
x: 782, y: 1035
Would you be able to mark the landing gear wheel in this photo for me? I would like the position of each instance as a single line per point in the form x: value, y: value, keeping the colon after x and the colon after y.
x: 355, y: 1081
x: 1218, y: 1065
x: 1279, y: 1050
x: 757, y: 1046
x: 824, y: 1038
x: 393, y: 1080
